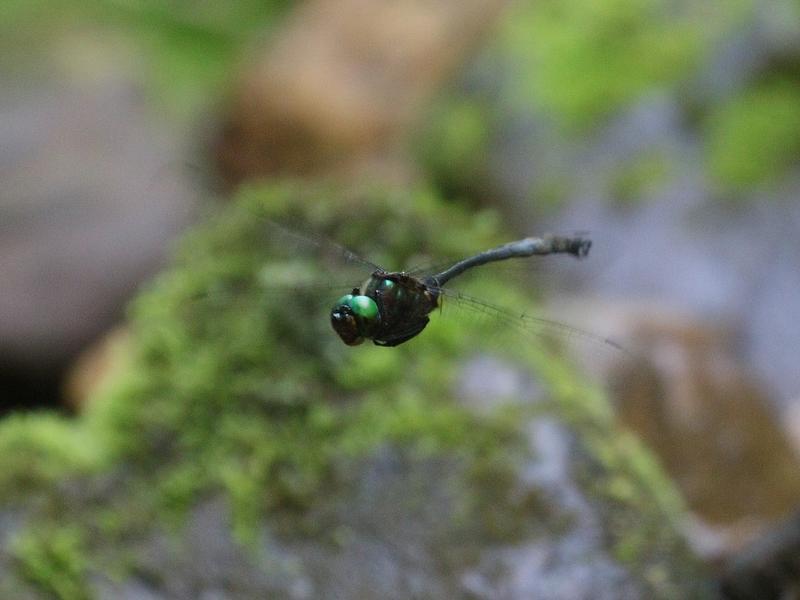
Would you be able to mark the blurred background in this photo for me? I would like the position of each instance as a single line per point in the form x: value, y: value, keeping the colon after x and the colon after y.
x: 669, y: 130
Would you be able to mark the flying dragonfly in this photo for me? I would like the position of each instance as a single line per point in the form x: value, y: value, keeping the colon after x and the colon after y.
x: 392, y: 307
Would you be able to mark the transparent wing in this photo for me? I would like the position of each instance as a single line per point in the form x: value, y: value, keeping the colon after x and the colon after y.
x: 528, y: 323
x: 267, y: 268
x: 507, y: 332
x: 275, y: 256
x: 285, y: 238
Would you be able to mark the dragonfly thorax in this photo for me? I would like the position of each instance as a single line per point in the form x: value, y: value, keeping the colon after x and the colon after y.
x: 392, y: 309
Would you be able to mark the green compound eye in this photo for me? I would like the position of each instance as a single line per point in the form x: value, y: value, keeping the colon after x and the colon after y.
x: 344, y: 301
x: 363, y: 306
x: 354, y: 318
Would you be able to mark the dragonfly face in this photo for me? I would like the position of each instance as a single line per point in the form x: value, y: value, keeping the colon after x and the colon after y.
x: 392, y: 309
x: 355, y: 317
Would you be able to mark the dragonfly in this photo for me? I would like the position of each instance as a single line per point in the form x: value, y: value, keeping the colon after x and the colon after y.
x: 392, y: 307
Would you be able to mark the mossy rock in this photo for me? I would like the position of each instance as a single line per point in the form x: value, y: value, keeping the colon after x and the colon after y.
x: 246, y: 452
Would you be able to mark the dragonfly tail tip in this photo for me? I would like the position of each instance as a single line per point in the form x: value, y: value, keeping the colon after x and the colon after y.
x: 581, y: 247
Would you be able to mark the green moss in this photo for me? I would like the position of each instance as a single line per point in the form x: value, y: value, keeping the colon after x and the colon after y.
x: 454, y: 144
x: 38, y: 450
x: 583, y: 60
x: 248, y: 381
x: 54, y: 560
x: 755, y: 137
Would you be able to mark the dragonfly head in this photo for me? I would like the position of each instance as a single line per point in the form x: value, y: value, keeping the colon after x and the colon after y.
x: 354, y: 317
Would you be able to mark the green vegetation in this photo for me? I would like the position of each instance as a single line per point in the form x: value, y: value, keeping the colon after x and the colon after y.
x: 754, y: 138
x: 453, y: 145
x: 36, y: 450
x: 250, y: 384
x: 570, y: 67
x: 53, y: 560
x: 584, y: 60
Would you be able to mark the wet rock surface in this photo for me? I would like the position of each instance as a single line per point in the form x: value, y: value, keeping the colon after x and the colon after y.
x: 400, y: 530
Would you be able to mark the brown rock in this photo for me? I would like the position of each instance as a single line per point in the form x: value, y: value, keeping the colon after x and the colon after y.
x: 711, y: 422
x: 343, y: 82
x: 94, y: 367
